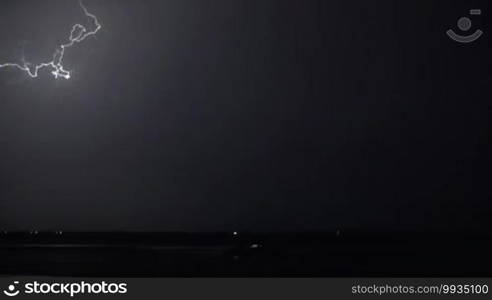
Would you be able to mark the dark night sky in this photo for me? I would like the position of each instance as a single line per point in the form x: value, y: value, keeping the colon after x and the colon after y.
x: 257, y: 115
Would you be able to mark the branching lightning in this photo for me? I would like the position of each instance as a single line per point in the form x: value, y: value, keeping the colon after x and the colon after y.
x: 78, y: 34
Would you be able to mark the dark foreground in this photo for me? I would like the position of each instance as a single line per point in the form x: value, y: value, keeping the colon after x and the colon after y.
x: 242, y: 255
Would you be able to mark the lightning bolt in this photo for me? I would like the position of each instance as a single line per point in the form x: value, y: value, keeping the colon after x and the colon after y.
x: 78, y: 34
